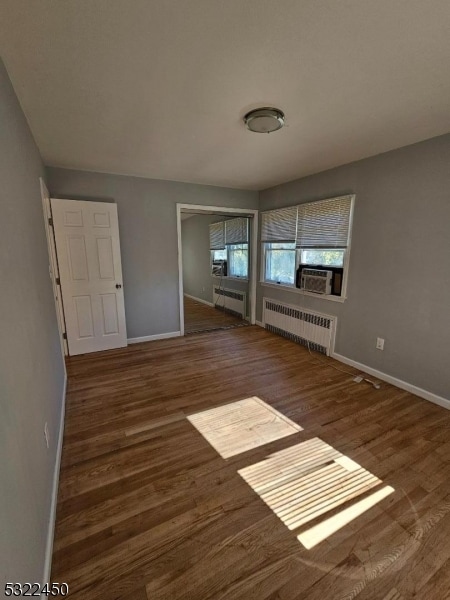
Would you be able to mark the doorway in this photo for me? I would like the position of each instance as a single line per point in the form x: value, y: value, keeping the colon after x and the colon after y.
x: 217, y: 274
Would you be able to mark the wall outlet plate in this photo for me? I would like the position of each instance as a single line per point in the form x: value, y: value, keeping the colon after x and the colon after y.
x: 380, y: 344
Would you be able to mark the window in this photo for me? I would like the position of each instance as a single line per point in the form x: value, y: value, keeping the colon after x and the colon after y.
x: 218, y: 255
x: 313, y: 235
x: 238, y: 260
x: 322, y: 257
x: 229, y: 244
x: 280, y: 262
x: 278, y: 230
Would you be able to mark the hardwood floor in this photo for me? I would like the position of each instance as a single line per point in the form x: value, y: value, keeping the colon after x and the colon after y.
x: 200, y: 317
x: 147, y: 509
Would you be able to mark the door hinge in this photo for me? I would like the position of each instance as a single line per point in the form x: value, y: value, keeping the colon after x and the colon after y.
x: 58, y: 281
x: 50, y: 221
x: 64, y: 336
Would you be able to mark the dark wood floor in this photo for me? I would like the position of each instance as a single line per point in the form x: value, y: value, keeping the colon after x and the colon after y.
x: 201, y: 317
x: 148, y: 510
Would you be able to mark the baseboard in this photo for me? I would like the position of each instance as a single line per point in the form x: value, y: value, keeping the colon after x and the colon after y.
x: 152, y: 338
x: 394, y: 381
x: 259, y: 323
x: 52, y: 519
x: 200, y: 300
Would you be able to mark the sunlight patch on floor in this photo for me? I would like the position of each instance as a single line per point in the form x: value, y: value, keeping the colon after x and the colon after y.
x: 243, y: 425
x: 306, y: 481
x: 316, y: 534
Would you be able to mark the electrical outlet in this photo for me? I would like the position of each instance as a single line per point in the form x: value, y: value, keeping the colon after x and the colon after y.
x: 380, y: 343
x: 47, y: 435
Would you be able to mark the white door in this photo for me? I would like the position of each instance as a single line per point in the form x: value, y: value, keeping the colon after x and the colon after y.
x: 88, y: 249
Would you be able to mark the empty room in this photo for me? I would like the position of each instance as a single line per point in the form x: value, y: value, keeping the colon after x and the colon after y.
x: 225, y: 331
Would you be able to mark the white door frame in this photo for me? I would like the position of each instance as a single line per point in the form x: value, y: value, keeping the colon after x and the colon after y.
x: 53, y: 267
x: 200, y: 208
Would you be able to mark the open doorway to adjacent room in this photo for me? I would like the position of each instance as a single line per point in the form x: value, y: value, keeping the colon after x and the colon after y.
x: 217, y: 271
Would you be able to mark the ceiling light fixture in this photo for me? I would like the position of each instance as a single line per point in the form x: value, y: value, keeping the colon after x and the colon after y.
x: 264, y: 120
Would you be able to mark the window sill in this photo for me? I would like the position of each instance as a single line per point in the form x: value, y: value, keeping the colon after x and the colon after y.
x: 229, y: 278
x: 295, y: 290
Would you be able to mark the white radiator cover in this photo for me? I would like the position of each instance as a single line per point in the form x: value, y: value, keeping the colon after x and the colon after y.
x: 301, y: 325
x: 233, y: 301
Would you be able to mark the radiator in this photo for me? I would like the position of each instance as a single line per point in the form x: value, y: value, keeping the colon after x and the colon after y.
x: 231, y: 301
x: 301, y: 325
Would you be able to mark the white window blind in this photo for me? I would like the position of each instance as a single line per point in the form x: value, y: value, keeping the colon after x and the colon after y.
x: 217, y: 236
x: 324, y: 224
x: 236, y: 231
x: 279, y: 225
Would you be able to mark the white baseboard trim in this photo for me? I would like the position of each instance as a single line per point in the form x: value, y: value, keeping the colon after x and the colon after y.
x: 394, y: 381
x: 200, y: 300
x: 52, y: 519
x: 152, y: 338
x: 259, y: 323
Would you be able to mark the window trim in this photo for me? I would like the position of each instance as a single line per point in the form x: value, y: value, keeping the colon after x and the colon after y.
x: 295, y: 290
x: 230, y: 278
x: 292, y: 288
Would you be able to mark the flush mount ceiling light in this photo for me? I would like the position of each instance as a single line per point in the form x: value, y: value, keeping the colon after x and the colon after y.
x: 264, y: 120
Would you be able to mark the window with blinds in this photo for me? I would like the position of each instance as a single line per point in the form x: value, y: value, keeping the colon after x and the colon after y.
x: 236, y: 240
x: 236, y: 231
x: 324, y: 224
x: 279, y: 225
x: 217, y: 236
x: 314, y: 236
x: 229, y: 246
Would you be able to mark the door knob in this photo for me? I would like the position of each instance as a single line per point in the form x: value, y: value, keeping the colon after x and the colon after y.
x: 118, y: 286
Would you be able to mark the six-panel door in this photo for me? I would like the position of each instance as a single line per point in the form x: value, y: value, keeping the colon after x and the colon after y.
x: 88, y: 249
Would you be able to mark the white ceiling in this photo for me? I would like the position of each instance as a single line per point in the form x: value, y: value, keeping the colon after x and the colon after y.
x: 158, y: 88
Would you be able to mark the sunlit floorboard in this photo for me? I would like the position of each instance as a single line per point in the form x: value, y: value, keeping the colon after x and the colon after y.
x: 242, y: 425
x: 306, y: 481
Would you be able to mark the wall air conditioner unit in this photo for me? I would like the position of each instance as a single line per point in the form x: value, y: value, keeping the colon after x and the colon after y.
x: 316, y: 280
x: 219, y: 268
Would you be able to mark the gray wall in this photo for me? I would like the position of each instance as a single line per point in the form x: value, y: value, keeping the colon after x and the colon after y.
x: 197, y: 279
x: 148, y: 236
x: 399, y: 278
x: 31, y: 366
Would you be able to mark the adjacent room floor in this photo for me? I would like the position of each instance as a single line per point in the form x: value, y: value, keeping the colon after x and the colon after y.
x: 237, y: 466
x: 201, y: 317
